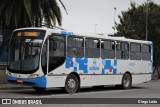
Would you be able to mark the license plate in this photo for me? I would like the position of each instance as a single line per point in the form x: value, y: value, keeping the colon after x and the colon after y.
x: 19, y: 81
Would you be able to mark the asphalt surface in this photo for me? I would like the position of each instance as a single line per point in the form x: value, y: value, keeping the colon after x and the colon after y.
x: 87, y: 95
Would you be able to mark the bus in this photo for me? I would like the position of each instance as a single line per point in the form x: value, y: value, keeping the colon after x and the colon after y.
x: 46, y: 58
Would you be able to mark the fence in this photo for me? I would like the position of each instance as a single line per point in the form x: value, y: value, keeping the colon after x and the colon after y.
x: 4, y: 36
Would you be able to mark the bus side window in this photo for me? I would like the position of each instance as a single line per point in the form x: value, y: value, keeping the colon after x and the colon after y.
x: 146, y: 52
x: 122, y: 50
x: 118, y: 50
x: 56, y: 51
x: 107, y: 49
x: 92, y: 48
x: 135, y: 53
x: 125, y: 50
x: 75, y: 46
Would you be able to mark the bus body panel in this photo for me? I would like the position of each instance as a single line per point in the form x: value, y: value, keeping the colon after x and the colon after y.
x: 97, y: 71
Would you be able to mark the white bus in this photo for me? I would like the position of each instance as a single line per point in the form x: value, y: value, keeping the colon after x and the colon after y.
x: 45, y: 58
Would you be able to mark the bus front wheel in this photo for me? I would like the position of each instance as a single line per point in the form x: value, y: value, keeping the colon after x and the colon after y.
x: 71, y: 84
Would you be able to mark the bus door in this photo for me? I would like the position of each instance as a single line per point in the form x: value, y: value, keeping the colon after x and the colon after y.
x: 56, y: 59
x: 50, y: 56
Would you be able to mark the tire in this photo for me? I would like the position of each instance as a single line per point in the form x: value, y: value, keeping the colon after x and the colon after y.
x: 126, y: 81
x: 72, y: 84
x: 38, y: 89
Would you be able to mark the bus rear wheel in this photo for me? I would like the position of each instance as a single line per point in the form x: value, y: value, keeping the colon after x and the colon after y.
x: 126, y: 81
x: 71, y: 84
x: 38, y: 89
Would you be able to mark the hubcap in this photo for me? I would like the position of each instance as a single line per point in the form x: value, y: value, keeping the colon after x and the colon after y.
x: 71, y: 83
x: 126, y: 81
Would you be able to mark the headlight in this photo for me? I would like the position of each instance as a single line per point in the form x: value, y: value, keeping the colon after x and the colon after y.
x: 8, y: 73
x: 33, y: 76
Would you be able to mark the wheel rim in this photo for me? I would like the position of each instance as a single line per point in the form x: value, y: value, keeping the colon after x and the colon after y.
x: 71, y: 84
x: 126, y: 81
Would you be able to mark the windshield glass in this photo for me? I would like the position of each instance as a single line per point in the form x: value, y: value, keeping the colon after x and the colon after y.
x: 24, y: 51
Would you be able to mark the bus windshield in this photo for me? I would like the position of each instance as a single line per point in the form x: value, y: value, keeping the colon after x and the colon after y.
x: 24, y: 51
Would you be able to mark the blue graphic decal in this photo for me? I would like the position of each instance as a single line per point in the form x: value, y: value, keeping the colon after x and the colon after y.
x: 108, y: 66
x: 114, y: 70
x: 82, y: 62
x: 115, y: 62
x: 75, y: 69
x: 68, y: 62
x: 94, y: 65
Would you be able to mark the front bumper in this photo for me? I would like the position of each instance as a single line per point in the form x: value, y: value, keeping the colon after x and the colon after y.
x: 34, y: 82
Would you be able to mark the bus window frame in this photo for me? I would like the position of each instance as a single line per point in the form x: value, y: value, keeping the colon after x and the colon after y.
x: 83, y: 45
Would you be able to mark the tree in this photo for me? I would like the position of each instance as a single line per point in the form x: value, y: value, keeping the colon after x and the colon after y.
x: 133, y: 22
x: 26, y: 13
x: 133, y: 25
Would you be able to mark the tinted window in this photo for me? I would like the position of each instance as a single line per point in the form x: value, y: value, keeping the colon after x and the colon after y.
x: 56, y: 51
x: 92, y: 48
x: 135, y: 53
x: 75, y: 47
x: 146, y: 52
x: 122, y: 50
x: 107, y: 49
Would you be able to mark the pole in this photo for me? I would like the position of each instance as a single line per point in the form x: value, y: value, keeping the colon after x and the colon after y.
x: 147, y: 21
x: 114, y: 19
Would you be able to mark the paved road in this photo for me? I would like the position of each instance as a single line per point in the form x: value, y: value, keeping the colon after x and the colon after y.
x: 145, y: 90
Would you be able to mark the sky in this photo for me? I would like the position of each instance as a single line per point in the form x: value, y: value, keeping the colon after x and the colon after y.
x: 94, y: 16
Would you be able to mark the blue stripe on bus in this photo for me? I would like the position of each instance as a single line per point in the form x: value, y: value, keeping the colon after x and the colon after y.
x: 39, y: 82
x: 66, y: 33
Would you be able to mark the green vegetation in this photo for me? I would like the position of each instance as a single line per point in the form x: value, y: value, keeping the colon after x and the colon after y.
x: 26, y: 13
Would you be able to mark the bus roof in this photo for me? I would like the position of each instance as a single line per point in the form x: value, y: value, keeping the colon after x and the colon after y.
x: 97, y: 36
